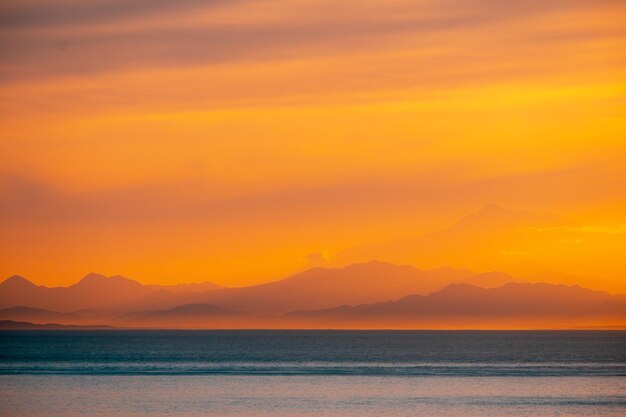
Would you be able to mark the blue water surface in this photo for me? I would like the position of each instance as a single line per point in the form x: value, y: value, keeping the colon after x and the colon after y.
x: 289, y: 352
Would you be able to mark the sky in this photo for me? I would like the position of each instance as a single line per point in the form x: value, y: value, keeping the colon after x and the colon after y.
x: 241, y: 141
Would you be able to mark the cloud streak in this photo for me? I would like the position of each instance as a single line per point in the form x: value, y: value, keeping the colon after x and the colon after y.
x: 32, y: 14
x: 31, y: 51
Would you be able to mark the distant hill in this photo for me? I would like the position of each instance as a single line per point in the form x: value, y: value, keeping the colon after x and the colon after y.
x: 436, y: 298
x: 37, y: 315
x: 513, y: 305
x: 188, y: 315
x: 22, y: 325
x: 466, y: 306
x: 94, y: 291
x: 328, y: 287
x: 312, y: 289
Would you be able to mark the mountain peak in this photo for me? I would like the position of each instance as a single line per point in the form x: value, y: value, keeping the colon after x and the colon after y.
x: 92, y: 279
x: 17, y: 280
x: 459, y: 289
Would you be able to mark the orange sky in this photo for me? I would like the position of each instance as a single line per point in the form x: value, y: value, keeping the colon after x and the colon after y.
x: 229, y: 140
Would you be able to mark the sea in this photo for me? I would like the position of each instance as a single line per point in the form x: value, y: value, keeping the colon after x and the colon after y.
x: 312, y: 372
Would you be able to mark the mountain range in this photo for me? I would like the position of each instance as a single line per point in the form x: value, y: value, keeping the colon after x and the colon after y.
x: 365, y: 295
x: 94, y: 291
x: 315, y: 288
x: 513, y: 305
x: 319, y: 288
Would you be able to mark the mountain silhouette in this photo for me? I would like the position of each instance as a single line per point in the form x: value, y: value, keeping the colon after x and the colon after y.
x: 22, y: 325
x: 328, y: 287
x: 37, y: 315
x: 187, y: 315
x: 437, y: 298
x: 458, y: 305
x: 94, y: 291
x: 529, y: 305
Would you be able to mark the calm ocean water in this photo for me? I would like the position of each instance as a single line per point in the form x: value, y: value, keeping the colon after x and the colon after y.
x: 254, y: 373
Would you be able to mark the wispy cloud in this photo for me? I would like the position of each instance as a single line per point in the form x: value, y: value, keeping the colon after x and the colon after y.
x: 33, y: 47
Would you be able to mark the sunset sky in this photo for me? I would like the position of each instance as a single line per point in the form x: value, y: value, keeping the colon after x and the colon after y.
x: 241, y: 141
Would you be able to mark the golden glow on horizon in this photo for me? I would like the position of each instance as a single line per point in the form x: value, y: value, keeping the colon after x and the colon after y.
x: 227, y: 142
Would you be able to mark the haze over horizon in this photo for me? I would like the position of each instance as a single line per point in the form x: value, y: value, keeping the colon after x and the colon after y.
x: 474, y: 242
x: 372, y: 295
